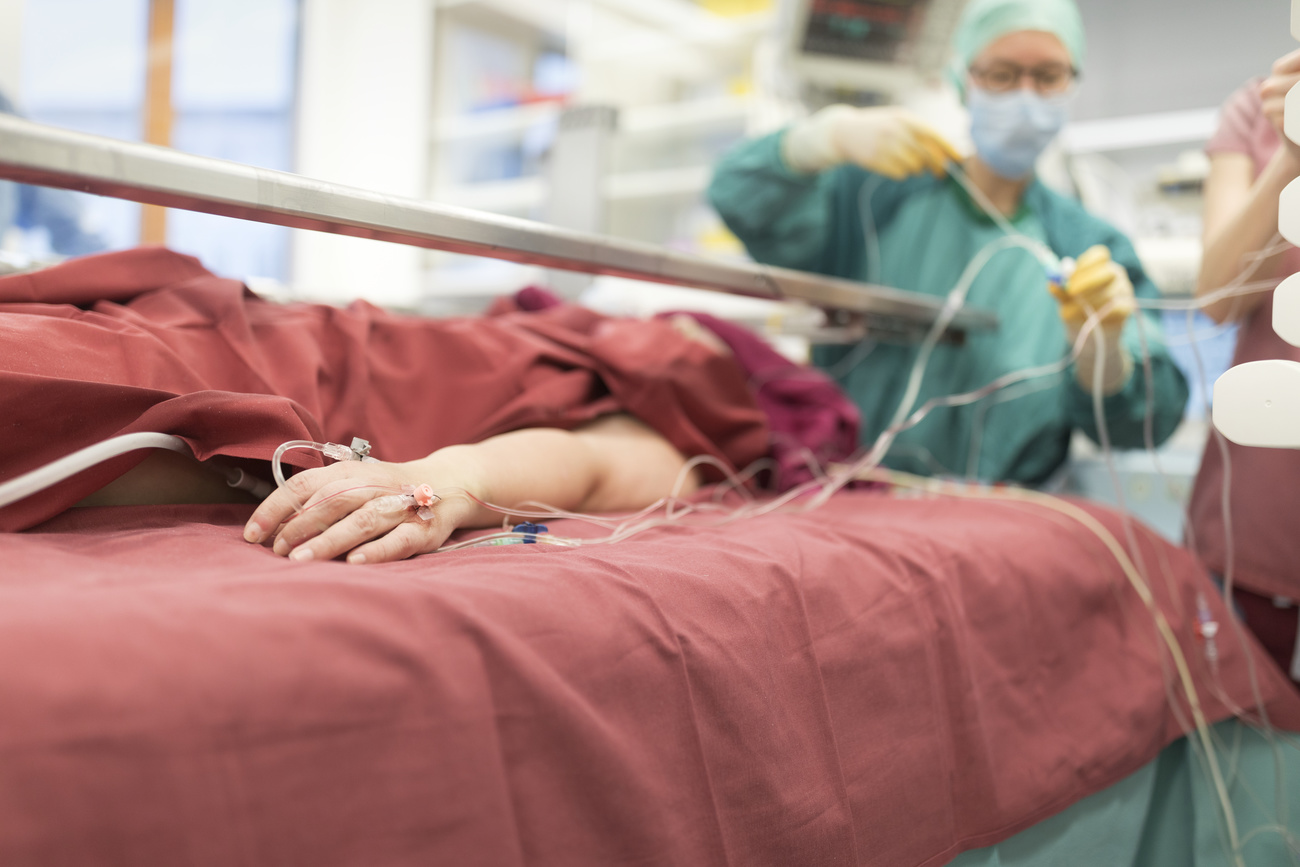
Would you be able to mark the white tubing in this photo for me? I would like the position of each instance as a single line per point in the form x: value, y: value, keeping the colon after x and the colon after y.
x: 51, y: 474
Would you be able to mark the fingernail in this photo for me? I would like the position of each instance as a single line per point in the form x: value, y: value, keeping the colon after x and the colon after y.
x: 280, y: 547
x: 303, y: 553
x: 357, y: 559
x: 253, y: 533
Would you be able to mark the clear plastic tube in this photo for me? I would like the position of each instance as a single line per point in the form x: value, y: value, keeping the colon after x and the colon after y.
x: 418, y: 497
x: 1143, y: 590
x: 956, y: 298
x: 392, y: 503
x: 1051, y: 262
x: 674, y: 510
x: 330, y: 450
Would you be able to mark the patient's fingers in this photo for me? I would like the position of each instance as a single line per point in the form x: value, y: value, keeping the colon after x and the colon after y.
x: 406, y: 540
x: 330, y: 504
x: 322, y: 513
x: 283, y: 502
x: 417, y: 537
x: 361, y: 525
x: 308, y: 493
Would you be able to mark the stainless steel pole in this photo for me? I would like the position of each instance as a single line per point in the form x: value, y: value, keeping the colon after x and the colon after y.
x: 48, y: 156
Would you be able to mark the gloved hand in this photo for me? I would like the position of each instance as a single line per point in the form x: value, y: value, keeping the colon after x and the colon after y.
x: 888, y: 140
x: 1096, y: 282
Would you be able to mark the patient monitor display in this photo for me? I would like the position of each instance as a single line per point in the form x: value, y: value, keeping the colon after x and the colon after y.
x: 862, y: 29
x: 868, y: 44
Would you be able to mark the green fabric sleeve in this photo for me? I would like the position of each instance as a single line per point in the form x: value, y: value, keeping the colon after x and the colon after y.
x: 783, y: 218
x: 808, y: 222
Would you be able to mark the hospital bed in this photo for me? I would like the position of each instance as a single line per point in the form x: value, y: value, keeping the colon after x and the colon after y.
x: 909, y: 674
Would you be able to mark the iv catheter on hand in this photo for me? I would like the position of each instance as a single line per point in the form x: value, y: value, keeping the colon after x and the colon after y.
x: 418, y: 497
x: 407, y: 497
x: 358, y: 451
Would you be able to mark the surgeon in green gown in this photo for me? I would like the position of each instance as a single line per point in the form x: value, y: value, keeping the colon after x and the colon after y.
x: 864, y: 193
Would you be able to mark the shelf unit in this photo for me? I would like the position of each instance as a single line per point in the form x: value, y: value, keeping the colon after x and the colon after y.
x: 1139, y: 131
x: 520, y: 196
x: 657, y: 62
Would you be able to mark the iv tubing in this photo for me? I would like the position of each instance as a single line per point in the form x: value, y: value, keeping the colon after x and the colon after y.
x: 1144, y: 594
x: 51, y: 474
x: 330, y: 450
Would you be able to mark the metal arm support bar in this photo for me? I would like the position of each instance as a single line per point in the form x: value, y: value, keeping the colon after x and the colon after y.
x: 33, y: 153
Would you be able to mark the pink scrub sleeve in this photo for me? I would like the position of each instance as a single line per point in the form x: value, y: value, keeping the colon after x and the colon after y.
x: 1242, y: 125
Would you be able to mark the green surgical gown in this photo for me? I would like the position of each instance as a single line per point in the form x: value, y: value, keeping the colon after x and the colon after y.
x: 926, y: 230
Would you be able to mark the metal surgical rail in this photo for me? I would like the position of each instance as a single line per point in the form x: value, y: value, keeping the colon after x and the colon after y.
x: 33, y: 153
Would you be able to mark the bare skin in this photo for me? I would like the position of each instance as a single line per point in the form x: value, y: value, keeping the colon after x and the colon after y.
x: 613, y: 464
x: 1240, y: 212
x: 166, y: 478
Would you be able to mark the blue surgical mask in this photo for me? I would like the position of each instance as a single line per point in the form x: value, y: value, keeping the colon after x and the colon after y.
x: 1011, y: 129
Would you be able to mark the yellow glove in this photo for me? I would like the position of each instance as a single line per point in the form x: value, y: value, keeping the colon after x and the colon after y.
x: 1097, y: 281
x: 888, y: 140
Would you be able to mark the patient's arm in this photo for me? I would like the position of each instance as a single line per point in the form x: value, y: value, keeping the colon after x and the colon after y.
x: 166, y: 478
x: 613, y: 464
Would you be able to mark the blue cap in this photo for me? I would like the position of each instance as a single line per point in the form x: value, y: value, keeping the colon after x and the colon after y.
x: 531, y: 530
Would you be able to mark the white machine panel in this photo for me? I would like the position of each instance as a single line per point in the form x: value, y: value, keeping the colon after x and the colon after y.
x: 1288, y: 217
x: 1286, y: 310
x: 1258, y: 404
x: 1291, y: 114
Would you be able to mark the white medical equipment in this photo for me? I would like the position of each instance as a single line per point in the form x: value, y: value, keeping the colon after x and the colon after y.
x: 1258, y: 403
x: 875, y: 45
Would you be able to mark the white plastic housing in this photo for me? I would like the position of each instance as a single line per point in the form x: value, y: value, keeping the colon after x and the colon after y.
x: 1286, y: 310
x: 1295, y: 20
x: 1291, y: 114
x: 1258, y: 404
x: 1288, y: 213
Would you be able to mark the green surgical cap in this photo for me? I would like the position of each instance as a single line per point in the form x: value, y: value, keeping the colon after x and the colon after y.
x: 984, y: 21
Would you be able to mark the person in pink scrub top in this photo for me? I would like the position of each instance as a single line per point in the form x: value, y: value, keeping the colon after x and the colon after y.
x: 1251, y: 161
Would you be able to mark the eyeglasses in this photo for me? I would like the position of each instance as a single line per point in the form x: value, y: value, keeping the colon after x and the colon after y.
x: 1004, y: 77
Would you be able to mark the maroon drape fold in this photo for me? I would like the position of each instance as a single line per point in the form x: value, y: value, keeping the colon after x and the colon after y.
x: 147, y: 340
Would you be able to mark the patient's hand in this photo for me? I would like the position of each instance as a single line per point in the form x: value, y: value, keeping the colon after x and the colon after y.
x: 614, y: 463
x: 325, y: 513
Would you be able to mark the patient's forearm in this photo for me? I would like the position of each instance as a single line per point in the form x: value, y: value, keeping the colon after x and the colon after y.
x: 166, y: 478
x: 612, y: 464
x: 1240, y: 221
x: 616, y: 463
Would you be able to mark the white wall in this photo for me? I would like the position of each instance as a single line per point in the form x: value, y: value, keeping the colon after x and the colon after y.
x: 1147, y: 56
x: 11, y: 46
x: 364, y: 96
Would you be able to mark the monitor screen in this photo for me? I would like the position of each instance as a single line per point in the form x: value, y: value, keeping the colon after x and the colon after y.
x: 873, y: 30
